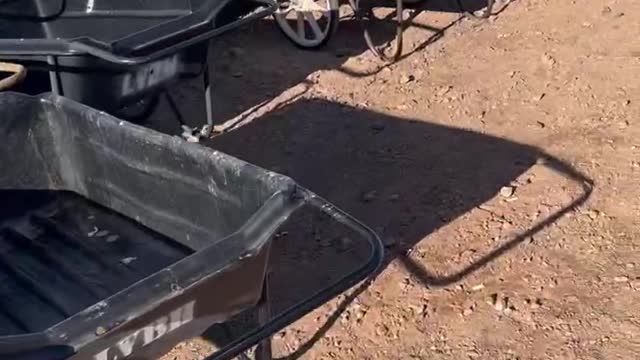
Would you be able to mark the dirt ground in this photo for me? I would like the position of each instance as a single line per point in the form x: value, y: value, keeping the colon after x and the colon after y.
x: 498, y: 160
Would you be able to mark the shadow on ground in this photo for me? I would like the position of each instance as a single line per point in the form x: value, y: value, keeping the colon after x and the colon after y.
x: 253, y: 65
x: 405, y: 178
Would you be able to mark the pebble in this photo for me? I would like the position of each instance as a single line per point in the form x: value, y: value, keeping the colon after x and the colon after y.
x: 468, y: 311
x: 100, y: 330
x: 93, y: 232
x: 369, y: 196
x: 128, y: 260
x: 477, y: 287
x: 548, y: 60
x: 444, y: 90
x: 621, y: 279
x: 499, y: 303
x: 535, y: 304
x: 593, y: 214
x: 406, y: 78
x: 112, y: 238
x: 394, y: 197
x: 507, y: 191
x: 102, y: 233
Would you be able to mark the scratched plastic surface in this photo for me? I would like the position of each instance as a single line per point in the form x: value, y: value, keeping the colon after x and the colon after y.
x: 101, y: 20
x: 106, y: 227
x: 60, y: 253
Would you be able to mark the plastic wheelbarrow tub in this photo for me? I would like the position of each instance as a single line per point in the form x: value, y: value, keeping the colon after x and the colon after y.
x: 111, y: 53
x: 119, y: 242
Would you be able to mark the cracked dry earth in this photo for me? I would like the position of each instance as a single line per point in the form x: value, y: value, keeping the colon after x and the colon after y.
x: 472, y: 158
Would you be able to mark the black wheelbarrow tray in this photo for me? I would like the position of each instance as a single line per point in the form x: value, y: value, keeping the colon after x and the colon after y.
x: 119, y: 242
x: 113, y: 54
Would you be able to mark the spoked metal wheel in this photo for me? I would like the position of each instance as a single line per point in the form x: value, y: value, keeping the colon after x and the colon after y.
x: 467, y: 9
x: 308, y: 24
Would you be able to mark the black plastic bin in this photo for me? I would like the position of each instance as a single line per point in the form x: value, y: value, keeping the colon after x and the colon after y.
x: 111, y: 54
x: 116, y: 240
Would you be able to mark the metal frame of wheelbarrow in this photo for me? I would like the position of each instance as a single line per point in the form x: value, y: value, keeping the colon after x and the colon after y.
x: 268, y: 326
x: 180, y: 33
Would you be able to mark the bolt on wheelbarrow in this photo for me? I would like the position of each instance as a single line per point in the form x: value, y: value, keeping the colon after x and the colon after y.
x: 117, y: 241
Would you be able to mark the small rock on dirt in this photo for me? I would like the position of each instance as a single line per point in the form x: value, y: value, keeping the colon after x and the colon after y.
x: 473, y: 354
x: 507, y: 191
x: 536, y: 303
x: 477, y: 287
x: 620, y: 279
x: 548, y: 60
x: 93, y: 232
x: 444, y: 90
x: 102, y: 233
x: 369, y: 196
x: 406, y: 78
x: 128, y: 260
x: 593, y: 214
x: 498, y: 302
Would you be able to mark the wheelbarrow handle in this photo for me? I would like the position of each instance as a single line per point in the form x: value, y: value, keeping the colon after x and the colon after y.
x: 320, y: 297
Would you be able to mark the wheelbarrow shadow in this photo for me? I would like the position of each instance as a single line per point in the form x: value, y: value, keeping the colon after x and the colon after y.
x: 403, y: 177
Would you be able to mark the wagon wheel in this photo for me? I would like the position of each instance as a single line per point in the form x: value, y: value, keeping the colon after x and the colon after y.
x: 391, y: 50
x: 479, y: 14
x: 309, y: 24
